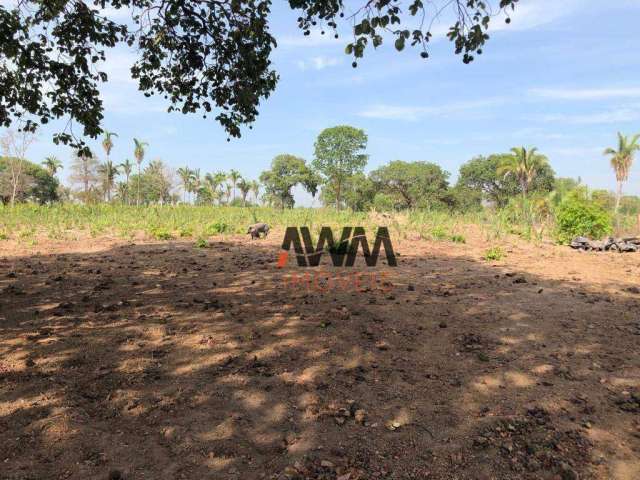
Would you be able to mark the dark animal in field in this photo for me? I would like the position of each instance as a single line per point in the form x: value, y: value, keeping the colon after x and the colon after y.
x: 257, y: 229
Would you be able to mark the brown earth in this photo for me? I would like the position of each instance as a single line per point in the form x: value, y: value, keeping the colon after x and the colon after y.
x: 163, y: 361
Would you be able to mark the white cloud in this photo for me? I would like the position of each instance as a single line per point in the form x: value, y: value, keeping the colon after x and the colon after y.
x: 534, y: 14
x: 620, y: 115
x: 319, y: 63
x: 413, y: 113
x: 585, y: 94
x: 575, y: 151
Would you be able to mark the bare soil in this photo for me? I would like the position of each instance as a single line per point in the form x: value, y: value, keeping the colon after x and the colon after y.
x: 164, y: 361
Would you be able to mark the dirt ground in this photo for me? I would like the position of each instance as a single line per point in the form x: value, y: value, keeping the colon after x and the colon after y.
x: 163, y: 361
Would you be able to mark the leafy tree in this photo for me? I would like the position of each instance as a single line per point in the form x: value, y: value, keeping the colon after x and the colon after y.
x: 480, y: 176
x: 358, y: 193
x: 139, y: 152
x: 604, y: 199
x: 34, y: 184
x: 52, y: 164
x: 84, y: 171
x: 108, y: 172
x: 203, y: 56
x: 524, y: 165
x: 339, y: 154
x: 156, y: 182
x: 413, y: 184
x: 14, y: 147
x: 286, y: 172
x: 621, y: 161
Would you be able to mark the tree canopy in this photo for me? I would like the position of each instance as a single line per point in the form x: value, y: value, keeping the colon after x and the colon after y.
x: 481, y: 175
x: 35, y: 183
x: 202, y: 56
x: 339, y: 154
x: 413, y: 184
x: 286, y: 172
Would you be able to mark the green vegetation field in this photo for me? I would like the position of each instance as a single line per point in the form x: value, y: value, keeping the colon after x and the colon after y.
x: 29, y: 223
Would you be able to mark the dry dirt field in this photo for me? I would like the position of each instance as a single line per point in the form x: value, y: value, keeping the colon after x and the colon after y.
x: 163, y: 361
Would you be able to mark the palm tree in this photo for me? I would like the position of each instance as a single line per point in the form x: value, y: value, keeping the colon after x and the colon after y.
x: 255, y: 189
x: 234, y: 176
x: 108, y: 171
x: 138, y: 153
x: 524, y: 165
x: 228, y: 193
x: 245, y: 188
x: 127, y: 168
x: 621, y: 161
x: 186, y: 177
x: 107, y: 142
x: 52, y: 164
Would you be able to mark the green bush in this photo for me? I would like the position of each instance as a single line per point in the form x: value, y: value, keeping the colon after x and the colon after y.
x: 217, y: 228
x: 580, y: 216
x: 493, y: 254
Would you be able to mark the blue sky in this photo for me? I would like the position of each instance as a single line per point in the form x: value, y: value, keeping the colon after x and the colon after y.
x: 563, y: 76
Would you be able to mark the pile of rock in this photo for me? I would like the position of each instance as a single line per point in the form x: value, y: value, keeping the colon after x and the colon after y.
x: 631, y: 244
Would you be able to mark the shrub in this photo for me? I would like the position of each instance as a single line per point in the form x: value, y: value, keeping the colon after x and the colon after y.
x: 493, y: 254
x: 438, y: 233
x: 580, y: 216
x: 217, y: 228
x: 458, y: 239
x: 160, y: 234
x: 201, y: 243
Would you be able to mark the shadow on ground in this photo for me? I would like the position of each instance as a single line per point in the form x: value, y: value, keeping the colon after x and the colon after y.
x: 165, y: 361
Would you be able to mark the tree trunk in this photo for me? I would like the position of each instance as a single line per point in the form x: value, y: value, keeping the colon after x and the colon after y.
x: 618, y: 196
x: 338, y: 188
x: 138, y: 199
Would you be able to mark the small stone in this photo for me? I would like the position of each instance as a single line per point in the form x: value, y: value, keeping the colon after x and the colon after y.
x: 116, y: 475
x: 360, y: 416
x: 326, y: 464
x: 339, y: 420
x: 411, y: 288
x: 443, y: 325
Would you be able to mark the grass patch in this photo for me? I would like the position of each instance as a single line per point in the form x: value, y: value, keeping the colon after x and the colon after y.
x: 493, y: 254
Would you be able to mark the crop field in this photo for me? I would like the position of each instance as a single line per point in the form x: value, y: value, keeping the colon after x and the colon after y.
x: 162, y: 342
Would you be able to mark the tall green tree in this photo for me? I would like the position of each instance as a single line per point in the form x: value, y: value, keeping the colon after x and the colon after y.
x: 413, y: 184
x: 478, y: 180
x: 139, y: 151
x: 245, y: 188
x: 286, y: 172
x: 621, y: 161
x: 52, y: 164
x: 107, y: 142
x: 523, y: 164
x: 339, y: 154
x: 255, y: 189
x: 234, y: 177
x: 186, y: 177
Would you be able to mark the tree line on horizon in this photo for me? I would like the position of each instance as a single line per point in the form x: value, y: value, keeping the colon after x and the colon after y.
x: 336, y: 175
